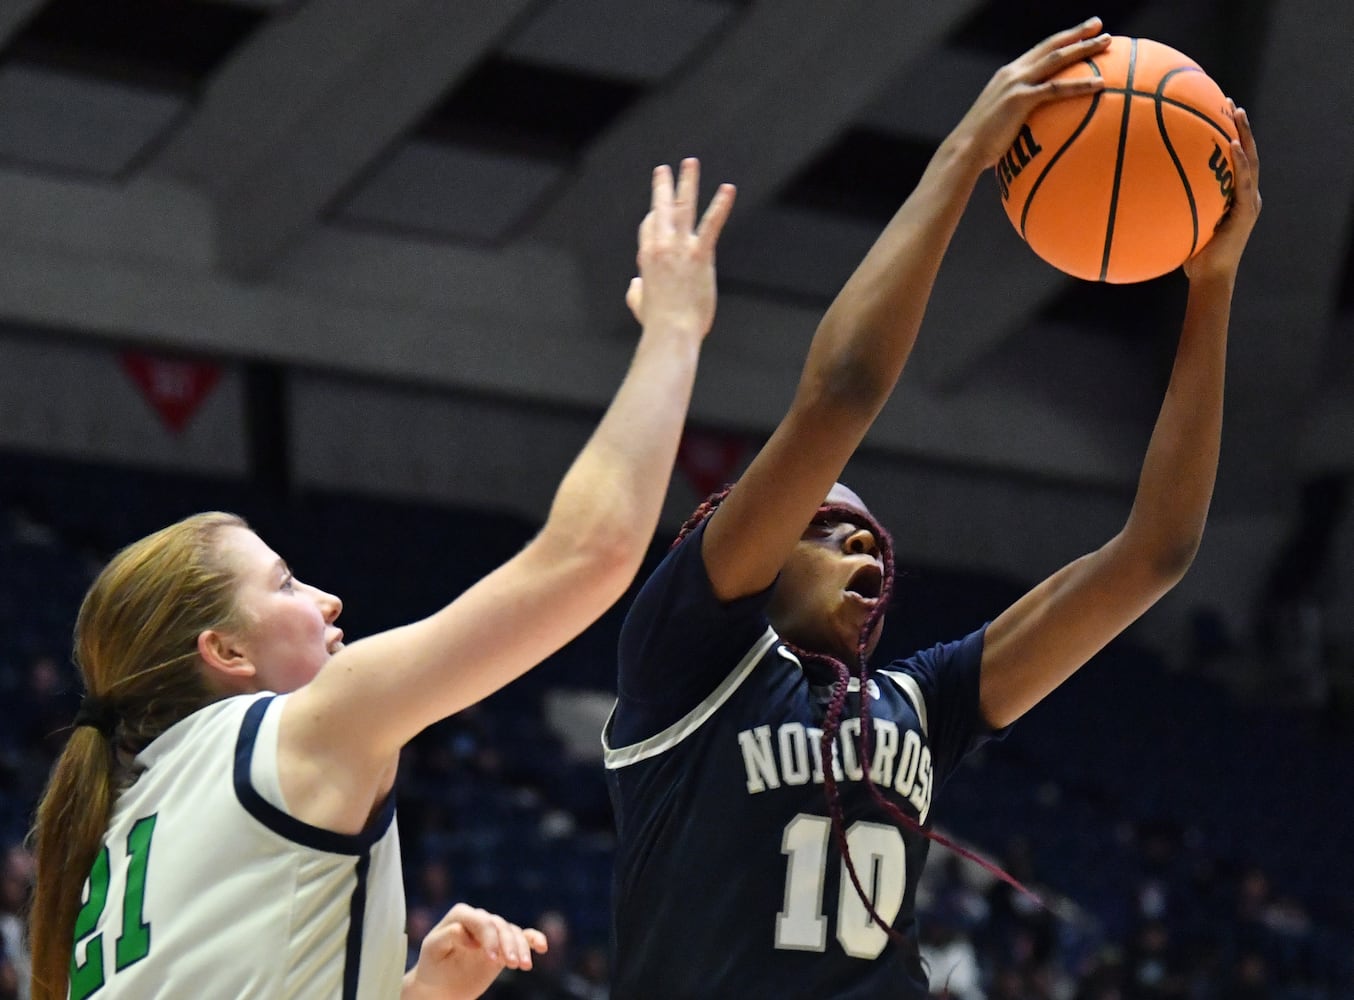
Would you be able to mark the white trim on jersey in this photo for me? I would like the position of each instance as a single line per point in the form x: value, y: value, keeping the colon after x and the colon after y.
x: 909, y: 686
x: 693, y: 720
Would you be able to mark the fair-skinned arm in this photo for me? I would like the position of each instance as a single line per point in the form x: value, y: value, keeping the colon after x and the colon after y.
x: 1049, y: 633
x: 864, y: 339
x: 341, y: 733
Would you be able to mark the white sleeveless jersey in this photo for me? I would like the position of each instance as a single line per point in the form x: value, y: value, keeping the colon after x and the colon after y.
x: 207, y: 888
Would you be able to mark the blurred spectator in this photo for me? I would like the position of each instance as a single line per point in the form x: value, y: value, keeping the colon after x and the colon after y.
x: 549, y: 975
x: 1164, y: 909
x: 433, y: 888
x: 1103, y: 979
x: 1252, y: 909
x: 1021, y: 931
x: 16, y: 882
x: 46, y: 705
x: 9, y: 977
x: 555, y: 926
x: 950, y: 958
x: 1151, y: 972
x: 419, y: 920
x: 591, y: 978
x: 952, y: 893
x: 1249, y: 981
x: 1017, y: 983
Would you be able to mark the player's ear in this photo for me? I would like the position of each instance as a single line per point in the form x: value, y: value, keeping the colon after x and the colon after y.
x: 224, y: 656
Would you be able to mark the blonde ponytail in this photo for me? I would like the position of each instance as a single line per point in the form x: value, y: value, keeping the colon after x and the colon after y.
x: 136, y: 648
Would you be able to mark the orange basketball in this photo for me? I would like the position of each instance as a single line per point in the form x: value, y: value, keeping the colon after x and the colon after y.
x: 1126, y: 184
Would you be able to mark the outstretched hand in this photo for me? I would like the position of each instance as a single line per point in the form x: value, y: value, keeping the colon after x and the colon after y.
x: 676, y: 283
x: 465, y: 952
x: 1222, y: 254
x: 991, y: 124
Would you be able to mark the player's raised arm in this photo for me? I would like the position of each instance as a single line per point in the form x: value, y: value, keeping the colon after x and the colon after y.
x: 376, y: 694
x: 867, y: 334
x: 1050, y: 632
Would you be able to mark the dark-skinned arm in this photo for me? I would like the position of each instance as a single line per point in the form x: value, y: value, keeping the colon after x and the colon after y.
x: 867, y: 334
x: 1053, y: 630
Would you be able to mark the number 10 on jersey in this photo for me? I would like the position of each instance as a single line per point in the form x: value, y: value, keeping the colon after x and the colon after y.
x: 881, y: 862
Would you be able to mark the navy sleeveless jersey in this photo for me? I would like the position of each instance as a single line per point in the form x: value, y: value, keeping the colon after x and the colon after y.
x: 728, y: 880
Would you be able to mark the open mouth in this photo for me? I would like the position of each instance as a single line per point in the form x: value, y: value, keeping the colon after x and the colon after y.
x: 866, y: 583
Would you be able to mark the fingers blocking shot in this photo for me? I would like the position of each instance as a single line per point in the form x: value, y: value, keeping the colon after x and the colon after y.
x: 674, y: 202
x: 676, y: 256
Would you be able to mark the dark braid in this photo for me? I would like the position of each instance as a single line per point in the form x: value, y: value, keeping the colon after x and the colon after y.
x: 704, y: 510
x: 832, y: 725
x: 837, y: 705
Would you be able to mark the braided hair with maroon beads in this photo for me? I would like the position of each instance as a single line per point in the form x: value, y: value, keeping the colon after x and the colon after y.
x: 837, y: 704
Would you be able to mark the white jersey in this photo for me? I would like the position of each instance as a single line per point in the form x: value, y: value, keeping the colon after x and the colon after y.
x: 208, y: 888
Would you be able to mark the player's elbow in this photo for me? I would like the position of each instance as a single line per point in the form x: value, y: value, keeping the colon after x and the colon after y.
x: 1165, y: 561
x: 603, y: 557
x: 1163, y: 546
x: 1173, y: 561
x: 617, y: 558
x: 848, y: 384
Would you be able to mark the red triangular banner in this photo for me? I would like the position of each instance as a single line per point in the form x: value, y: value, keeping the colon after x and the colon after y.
x: 175, y: 388
x: 709, y: 459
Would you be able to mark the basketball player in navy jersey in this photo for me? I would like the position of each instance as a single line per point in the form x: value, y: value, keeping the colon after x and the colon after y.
x: 220, y: 824
x: 773, y: 810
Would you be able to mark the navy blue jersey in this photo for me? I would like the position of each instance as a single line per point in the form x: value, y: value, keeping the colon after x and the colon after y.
x: 728, y: 881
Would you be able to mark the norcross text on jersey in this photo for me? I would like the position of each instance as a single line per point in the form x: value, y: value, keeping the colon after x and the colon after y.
x: 795, y: 757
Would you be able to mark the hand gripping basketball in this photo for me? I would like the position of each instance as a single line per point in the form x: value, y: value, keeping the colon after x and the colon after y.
x: 992, y: 123
x: 1127, y: 183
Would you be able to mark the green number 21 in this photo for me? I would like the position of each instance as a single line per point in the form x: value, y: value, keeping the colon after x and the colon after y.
x: 133, y: 944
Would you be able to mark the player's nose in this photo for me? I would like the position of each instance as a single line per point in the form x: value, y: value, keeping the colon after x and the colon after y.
x: 331, y: 606
x: 861, y: 541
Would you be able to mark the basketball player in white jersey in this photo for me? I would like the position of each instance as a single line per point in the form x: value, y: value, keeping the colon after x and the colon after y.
x: 220, y: 823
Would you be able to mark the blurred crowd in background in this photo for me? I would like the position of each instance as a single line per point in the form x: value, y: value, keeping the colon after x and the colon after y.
x: 1180, y: 819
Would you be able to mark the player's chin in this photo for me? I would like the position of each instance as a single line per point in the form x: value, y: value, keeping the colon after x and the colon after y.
x: 849, y: 624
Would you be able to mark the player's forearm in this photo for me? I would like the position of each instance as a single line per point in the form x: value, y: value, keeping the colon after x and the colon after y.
x: 868, y: 332
x: 1178, y: 473
x: 614, y: 491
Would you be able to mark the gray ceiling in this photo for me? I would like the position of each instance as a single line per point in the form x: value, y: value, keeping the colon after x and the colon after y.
x: 203, y: 173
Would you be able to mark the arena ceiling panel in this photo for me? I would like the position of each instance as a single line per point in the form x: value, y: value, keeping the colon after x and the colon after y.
x: 500, y: 130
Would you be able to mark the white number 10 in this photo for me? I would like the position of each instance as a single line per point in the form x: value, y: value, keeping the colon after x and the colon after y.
x: 881, y: 861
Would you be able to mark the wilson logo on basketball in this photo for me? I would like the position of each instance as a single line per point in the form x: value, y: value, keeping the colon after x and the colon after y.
x: 1017, y: 158
x: 1125, y: 189
x: 1222, y: 170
